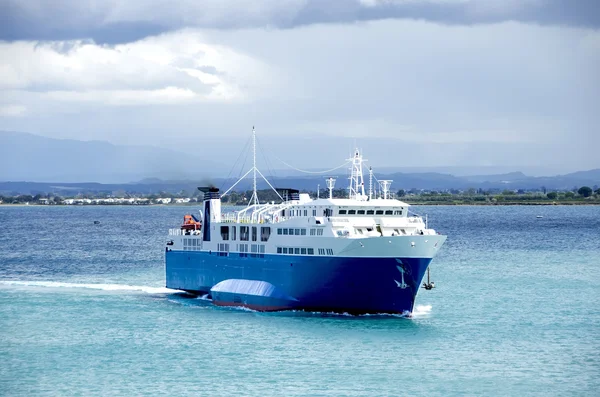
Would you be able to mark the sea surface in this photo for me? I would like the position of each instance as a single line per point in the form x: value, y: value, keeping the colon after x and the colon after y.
x: 84, y: 312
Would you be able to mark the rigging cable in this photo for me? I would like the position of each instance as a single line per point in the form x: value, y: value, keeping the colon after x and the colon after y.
x: 312, y: 172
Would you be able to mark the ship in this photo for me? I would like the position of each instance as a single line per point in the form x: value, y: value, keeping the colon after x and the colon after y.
x: 365, y: 253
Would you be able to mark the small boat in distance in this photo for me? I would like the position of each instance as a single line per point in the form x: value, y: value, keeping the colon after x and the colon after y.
x: 539, y: 216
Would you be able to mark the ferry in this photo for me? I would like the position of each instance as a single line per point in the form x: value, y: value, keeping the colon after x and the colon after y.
x: 362, y: 254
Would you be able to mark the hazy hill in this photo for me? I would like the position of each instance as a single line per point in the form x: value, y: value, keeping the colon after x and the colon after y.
x: 28, y: 157
x: 63, y: 166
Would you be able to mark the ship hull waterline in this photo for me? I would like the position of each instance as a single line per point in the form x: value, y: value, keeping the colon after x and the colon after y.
x: 338, y: 284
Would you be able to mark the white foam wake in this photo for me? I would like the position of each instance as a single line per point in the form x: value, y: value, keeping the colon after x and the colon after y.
x: 103, y: 287
x: 421, y: 310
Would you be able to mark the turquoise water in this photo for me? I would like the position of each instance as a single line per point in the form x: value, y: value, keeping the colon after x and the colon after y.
x: 83, y: 312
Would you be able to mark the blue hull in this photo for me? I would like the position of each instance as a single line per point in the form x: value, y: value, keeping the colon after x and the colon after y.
x: 353, y: 285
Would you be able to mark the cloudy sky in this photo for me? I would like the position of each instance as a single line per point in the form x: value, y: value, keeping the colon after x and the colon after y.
x: 413, y: 82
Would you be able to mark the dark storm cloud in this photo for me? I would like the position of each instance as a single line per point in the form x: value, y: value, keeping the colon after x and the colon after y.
x: 74, y: 19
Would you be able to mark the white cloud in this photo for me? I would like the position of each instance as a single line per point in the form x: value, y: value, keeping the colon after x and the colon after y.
x: 168, y: 68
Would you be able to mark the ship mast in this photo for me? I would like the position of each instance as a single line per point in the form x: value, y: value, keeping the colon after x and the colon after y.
x: 254, y: 198
x: 357, y: 184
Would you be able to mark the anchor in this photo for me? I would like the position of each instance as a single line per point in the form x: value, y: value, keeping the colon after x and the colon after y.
x: 402, y: 285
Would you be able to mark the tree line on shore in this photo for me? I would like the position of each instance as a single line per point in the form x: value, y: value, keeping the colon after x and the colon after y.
x: 583, y: 194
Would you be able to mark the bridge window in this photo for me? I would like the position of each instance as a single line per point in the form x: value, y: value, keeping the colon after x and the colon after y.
x: 360, y: 212
x: 342, y: 212
x: 370, y: 212
x: 379, y: 212
x: 398, y: 212
x: 321, y: 251
x: 225, y: 232
x: 329, y: 251
x: 389, y: 212
x: 303, y: 232
x: 313, y: 232
x: 352, y: 212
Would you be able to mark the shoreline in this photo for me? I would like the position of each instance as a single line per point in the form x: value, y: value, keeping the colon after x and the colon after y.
x: 507, y: 204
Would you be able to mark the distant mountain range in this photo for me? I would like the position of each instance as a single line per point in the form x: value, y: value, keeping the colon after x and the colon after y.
x: 28, y: 157
x: 59, y: 166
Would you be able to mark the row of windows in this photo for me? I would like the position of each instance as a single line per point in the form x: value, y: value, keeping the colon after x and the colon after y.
x: 299, y: 232
x: 192, y: 244
x: 303, y: 251
x: 370, y: 212
x: 294, y: 212
x: 295, y: 251
x: 228, y: 232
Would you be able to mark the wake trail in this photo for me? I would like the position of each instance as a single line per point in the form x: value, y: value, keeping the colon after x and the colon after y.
x: 102, y: 287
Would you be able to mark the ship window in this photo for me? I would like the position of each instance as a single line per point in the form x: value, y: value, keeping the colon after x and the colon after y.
x: 360, y: 212
x: 278, y: 231
x: 303, y: 251
x: 311, y: 251
x: 359, y: 231
x: 282, y: 213
x: 254, y: 233
x: 297, y: 251
x: 291, y: 231
x: 370, y: 212
x: 319, y: 232
x: 398, y: 212
x: 233, y: 233
x: 403, y: 231
x: 297, y: 232
x: 321, y: 251
x: 279, y: 250
x: 290, y: 250
x: 244, y: 233
x: 285, y: 250
x: 313, y: 232
x: 285, y: 232
x: 389, y: 212
x: 303, y: 232
x: 342, y: 212
x: 254, y: 248
x: 351, y: 212
x: 225, y: 232
x: 265, y: 233
x: 329, y: 251
x: 314, y: 212
x: 305, y: 212
x: 379, y: 212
